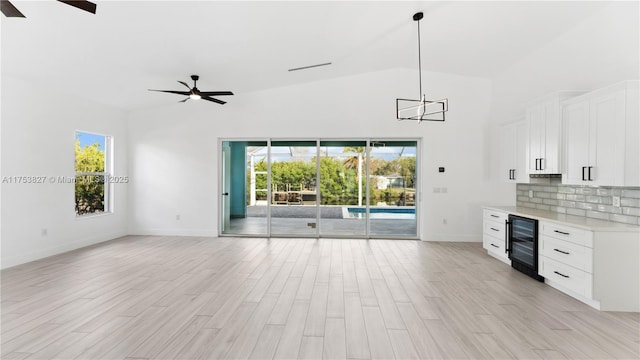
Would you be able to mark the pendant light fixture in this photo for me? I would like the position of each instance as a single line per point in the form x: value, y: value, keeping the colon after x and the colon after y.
x: 422, y: 109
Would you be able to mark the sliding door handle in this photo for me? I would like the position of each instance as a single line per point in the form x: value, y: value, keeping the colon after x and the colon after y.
x: 583, y: 169
x: 225, y: 194
x: 589, y: 173
x: 541, y: 167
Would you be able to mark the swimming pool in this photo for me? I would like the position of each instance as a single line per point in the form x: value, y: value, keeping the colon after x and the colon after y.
x: 380, y: 213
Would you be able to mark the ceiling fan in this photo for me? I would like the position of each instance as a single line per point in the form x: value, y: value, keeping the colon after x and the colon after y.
x: 9, y: 10
x: 196, y: 94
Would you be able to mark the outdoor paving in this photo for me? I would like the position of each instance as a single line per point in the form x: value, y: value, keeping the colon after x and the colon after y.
x: 329, y: 227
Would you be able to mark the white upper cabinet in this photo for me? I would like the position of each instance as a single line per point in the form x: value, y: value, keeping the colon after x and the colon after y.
x: 601, y: 134
x: 576, y: 142
x: 543, y: 119
x: 513, y: 152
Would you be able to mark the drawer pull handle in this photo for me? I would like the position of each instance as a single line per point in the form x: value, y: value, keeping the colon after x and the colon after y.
x: 560, y: 251
x: 494, y: 229
x: 561, y: 232
x: 563, y: 275
x: 495, y: 216
x: 495, y: 246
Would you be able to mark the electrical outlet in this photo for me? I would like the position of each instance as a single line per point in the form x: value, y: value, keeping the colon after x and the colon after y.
x: 530, y: 193
x: 616, y: 201
x: 444, y: 221
x: 444, y: 190
x: 44, y: 232
x: 177, y: 217
x: 436, y: 190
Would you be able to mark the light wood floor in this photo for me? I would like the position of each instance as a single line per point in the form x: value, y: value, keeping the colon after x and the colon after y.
x: 190, y: 298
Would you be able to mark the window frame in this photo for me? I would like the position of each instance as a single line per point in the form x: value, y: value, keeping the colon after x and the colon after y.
x: 106, y: 174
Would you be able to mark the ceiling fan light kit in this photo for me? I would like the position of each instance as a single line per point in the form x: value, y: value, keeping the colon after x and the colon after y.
x: 422, y: 109
x: 195, y: 94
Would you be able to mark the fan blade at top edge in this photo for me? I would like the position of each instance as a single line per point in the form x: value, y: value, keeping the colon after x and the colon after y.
x: 215, y: 93
x: 214, y: 100
x: 173, y: 92
x: 185, y: 84
x: 9, y: 10
x: 82, y: 5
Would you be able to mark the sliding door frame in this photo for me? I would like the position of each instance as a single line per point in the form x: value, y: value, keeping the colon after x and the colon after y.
x: 368, y: 148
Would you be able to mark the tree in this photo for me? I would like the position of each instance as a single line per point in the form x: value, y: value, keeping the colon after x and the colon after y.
x: 356, y: 161
x: 89, y: 188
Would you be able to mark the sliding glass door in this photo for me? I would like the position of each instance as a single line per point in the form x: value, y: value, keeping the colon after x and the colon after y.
x: 343, y: 188
x: 393, y: 188
x: 244, y: 195
x: 361, y: 188
x: 293, y: 188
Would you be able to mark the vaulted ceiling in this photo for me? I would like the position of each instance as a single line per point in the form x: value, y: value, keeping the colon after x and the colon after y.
x: 128, y: 47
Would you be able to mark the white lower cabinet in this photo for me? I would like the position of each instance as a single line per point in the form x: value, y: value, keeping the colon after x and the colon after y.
x: 494, y: 234
x: 600, y: 268
x: 576, y: 281
x: 565, y: 260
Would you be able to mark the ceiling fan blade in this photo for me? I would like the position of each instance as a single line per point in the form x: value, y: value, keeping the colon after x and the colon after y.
x: 173, y: 92
x: 9, y: 10
x: 184, y: 100
x: 214, y: 100
x: 82, y: 5
x: 185, y: 84
x: 215, y: 93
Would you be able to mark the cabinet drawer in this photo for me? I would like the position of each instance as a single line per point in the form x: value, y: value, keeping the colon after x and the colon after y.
x: 566, y: 233
x: 565, y: 252
x: 493, y: 244
x: 495, y: 229
x: 566, y: 276
x: 491, y: 215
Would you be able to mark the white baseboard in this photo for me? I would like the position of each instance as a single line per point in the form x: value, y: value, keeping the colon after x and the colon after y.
x: 57, y: 250
x: 174, y: 232
x: 593, y: 303
x: 455, y: 238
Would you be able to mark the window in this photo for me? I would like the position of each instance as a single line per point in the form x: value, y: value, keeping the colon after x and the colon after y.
x: 93, y: 171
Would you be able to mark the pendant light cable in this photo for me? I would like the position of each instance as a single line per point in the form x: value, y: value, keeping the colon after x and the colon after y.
x: 419, y: 61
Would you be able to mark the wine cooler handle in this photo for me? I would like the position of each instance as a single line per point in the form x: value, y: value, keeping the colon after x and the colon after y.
x: 506, y: 236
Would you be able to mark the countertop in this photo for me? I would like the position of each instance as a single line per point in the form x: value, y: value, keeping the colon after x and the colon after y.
x: 570, y: 220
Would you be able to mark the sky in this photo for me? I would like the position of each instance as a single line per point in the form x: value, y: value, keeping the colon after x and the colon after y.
x: 90, y: 139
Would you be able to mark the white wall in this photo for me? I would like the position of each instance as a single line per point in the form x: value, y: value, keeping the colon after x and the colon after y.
x: 38, y: 140
x: 174, y: 150
x: 601, y: 50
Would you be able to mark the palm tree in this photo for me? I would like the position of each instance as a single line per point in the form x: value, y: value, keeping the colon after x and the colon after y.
x: 355, y: 162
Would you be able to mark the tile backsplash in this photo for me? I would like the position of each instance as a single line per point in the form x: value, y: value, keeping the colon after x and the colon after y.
x: 592, y: 202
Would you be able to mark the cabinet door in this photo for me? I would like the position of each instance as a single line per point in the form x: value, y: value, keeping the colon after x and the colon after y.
x: 521, y: 163
x: 551, y: 144
x: 575, y: 119
x: 607, y: 144
x: 507, y: 153
x: 535, y: 120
